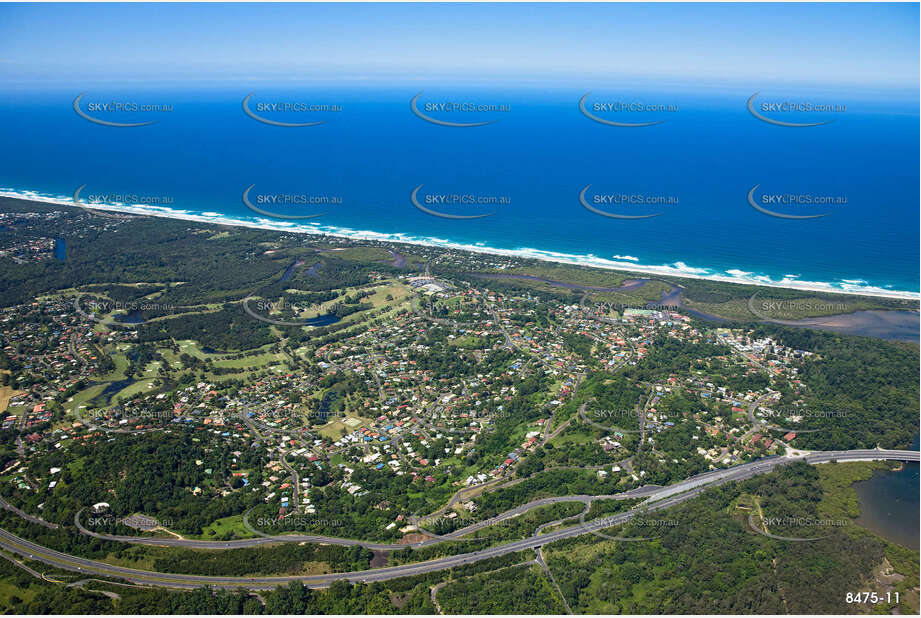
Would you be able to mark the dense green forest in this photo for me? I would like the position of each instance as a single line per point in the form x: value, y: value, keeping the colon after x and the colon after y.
x: 21, y: 593
x: 186, y: 264
x: 707, y: 560
x: 519, y: 590
x: 863, y: 392
x: 710, y: 561
x: 148, y: 473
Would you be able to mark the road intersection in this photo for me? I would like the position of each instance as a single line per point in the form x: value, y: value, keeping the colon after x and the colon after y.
x: 657, y: 498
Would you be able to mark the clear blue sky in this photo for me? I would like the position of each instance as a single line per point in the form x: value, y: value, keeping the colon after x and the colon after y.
x: 874, y: 45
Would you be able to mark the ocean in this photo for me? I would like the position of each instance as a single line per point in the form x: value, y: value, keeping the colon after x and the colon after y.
x: 525, y: 170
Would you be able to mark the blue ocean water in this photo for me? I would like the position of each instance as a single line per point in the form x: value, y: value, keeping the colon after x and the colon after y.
x: 538, y: 155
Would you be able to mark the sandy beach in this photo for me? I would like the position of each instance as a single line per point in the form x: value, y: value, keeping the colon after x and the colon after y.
x: 677, y: 269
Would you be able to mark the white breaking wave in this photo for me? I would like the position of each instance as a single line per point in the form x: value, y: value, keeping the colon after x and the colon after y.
x: 621, y: 263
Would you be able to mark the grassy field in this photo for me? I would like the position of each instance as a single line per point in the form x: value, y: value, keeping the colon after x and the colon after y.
x: 120, y: 359
x: 172, y: 360
x: 7, y: 393
x: 397, y: 290
x: 256, y: 362
x: 9, y: 589
x: 81, y: 398
x: 141, y: 386
x: 650, y: 292
x: 192, y: 348
x: 573, y: 435
x: 332, y: 430
x: 339, y: 427
x: 317, y: 309
x: 225, y: 528
x: 469, y: 342
x: 254, y: 365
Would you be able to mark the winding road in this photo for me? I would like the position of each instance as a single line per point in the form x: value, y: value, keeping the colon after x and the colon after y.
x: 658, y: 498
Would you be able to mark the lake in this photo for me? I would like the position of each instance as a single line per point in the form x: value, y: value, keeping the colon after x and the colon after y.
x: 889, y: 504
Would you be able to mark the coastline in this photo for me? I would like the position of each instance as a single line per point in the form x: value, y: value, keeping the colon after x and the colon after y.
x: 677, y: 269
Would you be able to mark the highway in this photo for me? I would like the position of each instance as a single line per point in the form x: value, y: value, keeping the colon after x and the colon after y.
x: 35, y: 520
x: 268, y: 539
x: 658, y: 498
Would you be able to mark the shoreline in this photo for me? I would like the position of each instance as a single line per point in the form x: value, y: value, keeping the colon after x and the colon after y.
x: 677, y: 269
